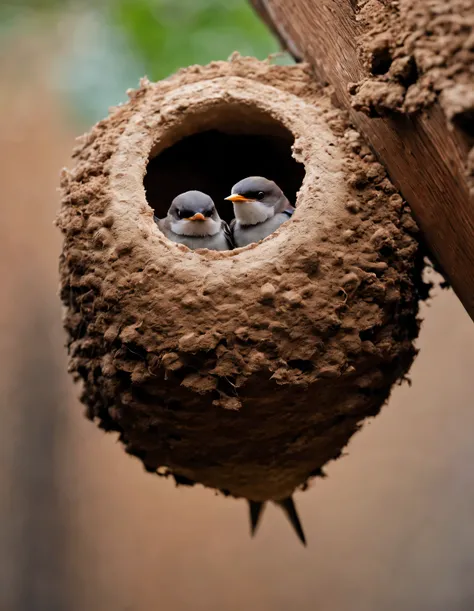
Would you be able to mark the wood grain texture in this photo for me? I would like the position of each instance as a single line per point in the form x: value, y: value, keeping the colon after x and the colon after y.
x: 425, y: 160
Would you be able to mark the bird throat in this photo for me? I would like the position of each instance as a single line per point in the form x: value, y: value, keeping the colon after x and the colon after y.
x: 253, y: 213
x: 209, y: 227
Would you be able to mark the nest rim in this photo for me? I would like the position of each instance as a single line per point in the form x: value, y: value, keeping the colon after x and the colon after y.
x: 138, y: 146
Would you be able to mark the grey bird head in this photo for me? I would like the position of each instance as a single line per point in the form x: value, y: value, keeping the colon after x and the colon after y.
x: 257, y: 199
x: 193, y: 213
x: 287, y: 505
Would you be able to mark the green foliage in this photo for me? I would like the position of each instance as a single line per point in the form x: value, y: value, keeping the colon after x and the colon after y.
x: 28, y: 4
x: 112, y: 43
x: 169, y: 34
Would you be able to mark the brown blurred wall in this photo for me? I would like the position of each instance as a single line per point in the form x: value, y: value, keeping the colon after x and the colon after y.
x: 83, y: 527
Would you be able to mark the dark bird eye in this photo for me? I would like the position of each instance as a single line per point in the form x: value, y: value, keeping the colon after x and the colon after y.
x: 260, y: 195
x: 184, y: 214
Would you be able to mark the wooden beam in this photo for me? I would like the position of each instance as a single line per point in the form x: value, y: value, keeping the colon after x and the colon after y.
x: 424, y: 158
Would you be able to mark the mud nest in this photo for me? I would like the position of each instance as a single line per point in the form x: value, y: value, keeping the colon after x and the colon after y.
x: 244, y: 370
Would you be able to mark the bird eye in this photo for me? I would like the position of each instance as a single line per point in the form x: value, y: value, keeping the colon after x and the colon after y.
x: 185, y: 214
x: 260, y: 195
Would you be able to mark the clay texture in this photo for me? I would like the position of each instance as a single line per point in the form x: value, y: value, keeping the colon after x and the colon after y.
x: 415, y: 51
x: 244, y: 370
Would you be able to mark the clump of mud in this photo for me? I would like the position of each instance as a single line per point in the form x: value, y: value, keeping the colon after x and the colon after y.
x: 415, y: 52
x: 244, y: 370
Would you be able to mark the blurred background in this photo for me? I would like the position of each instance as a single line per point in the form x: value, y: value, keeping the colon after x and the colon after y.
x: 82, y: 526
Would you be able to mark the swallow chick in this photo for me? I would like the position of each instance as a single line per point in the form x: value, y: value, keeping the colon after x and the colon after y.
x: 260, y: 207
x: 193, y: 220
x: 287, y: 505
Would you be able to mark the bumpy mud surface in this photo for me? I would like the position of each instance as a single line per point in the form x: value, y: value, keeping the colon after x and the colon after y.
x: 245, y: 370
x: 416, y: 51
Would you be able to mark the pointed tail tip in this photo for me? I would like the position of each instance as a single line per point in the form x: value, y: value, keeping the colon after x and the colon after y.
x: 301, y: 537
x: 289, y: 508
x: 255, y: 512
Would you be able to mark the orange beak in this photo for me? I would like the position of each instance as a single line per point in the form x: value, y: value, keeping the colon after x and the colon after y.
x: 197, y: 217
x: 236, y: 198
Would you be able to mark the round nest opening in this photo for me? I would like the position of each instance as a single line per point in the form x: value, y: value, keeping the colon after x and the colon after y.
x: 244, y: 370
x: 225, y: 144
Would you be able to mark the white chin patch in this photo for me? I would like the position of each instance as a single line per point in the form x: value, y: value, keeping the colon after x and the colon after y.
x: 197, y: 228
x: 252, y: 213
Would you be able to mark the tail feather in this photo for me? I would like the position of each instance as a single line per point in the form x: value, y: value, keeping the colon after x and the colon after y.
x: 255, y: 511
x: 289, y: 508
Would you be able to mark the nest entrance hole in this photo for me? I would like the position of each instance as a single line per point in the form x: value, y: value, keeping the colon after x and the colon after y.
x: 212, y: 151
